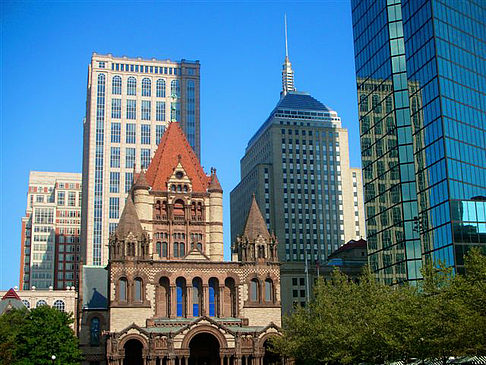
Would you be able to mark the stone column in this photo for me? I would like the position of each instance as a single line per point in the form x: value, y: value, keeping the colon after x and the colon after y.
x: 205, y: 309
x: 173, y: 301
x: 189, y: 300
x: 221, y: 301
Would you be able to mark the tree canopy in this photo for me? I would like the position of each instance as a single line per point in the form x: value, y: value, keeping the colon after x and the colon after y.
x: 33, y: 336
x: 351, y: 322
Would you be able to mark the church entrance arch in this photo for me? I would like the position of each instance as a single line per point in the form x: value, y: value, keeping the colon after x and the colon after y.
x: 133, y: 352
x: 204, y: 349
x: 270, y: 357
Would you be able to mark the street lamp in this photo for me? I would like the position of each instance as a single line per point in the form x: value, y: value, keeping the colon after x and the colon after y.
x: 53, y: 357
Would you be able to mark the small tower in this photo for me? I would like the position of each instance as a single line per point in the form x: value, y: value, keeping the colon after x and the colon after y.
x: 141, y: 197
x: 215, y: 217
x: 256, y: 244
x: 129, y: 241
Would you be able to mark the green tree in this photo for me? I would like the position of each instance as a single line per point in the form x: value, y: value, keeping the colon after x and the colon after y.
x: 470, y: 289
x: 10, y: 325
x: 338, y: 326
x: 443, y: 315
x: 38, y: 334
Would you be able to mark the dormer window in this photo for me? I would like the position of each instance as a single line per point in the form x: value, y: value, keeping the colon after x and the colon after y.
x: 179, y: 174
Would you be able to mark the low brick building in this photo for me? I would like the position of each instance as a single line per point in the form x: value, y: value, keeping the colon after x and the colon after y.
x: 172, y: 298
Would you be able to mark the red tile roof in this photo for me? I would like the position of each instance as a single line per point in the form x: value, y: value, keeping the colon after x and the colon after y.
x: 174, y: 148
x: 11, y: 294
x: 361, y: 243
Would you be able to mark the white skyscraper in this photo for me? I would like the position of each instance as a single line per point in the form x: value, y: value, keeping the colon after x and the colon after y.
x: 129, y: 104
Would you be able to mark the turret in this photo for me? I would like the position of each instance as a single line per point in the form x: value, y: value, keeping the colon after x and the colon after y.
x: 141, y: 197
x: 215, y: 213
x: 256, y: 244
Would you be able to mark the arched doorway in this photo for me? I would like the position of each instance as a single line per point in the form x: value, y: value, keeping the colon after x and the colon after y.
x: 204, y: 350
x: 270, y: 357
x: 133, y: 352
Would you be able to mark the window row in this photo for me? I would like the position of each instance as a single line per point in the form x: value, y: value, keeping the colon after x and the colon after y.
x: 58, y: 304
x: 178, y: 249
x: 131, y: 133
x: 145, y: 110
x: 145, y: 157
x: 146, y: 90
x: 148, y: 69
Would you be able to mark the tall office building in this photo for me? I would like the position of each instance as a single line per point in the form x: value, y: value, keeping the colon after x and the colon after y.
x: 129, y: 104
x: 297, y: 164
x: 421, y: 71
x: 50, y: 246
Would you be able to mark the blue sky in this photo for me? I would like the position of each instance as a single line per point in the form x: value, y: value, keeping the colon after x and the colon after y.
x: 46, y: 48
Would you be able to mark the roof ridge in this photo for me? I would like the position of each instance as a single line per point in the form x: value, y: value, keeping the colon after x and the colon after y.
x: 174, y: 148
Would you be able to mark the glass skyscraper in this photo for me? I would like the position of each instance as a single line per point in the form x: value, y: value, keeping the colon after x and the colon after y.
x: 421, y: 79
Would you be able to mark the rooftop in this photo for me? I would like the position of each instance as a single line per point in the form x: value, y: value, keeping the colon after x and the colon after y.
x: 299, y: 106
x: 301, y: 101
x: 361, y: 243
x: 138, y: 59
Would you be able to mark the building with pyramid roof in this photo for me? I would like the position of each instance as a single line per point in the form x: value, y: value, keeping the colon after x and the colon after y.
x: 173, y: 300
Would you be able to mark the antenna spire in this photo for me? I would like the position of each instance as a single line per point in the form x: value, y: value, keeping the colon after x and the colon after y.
x: 286, y: 45
x: 287, y: 72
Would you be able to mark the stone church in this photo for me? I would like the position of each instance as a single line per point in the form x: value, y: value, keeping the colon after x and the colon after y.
x: 172, y: 298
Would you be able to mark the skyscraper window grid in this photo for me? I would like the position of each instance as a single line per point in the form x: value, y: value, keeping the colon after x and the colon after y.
x: 405, y: 52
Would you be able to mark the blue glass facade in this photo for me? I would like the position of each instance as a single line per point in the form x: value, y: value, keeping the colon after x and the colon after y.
x: 421, y: 78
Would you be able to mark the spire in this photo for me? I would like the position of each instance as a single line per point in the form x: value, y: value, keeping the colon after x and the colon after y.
x: 287, y: 72
x: 129, y: 221
x: 214, y: 184
x: 286, y: 44
x: 141, y: 182
x: 255, y: 224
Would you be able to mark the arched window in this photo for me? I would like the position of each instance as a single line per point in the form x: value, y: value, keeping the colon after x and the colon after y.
x: 132, y: 86
x: 199, y: 247
x: 94, y: 332
x: 158, y: 248
x: 176, y: 249
x: 254, y: 290
x: 146, y: 87
x: 26, y: 303
x: 213, y: 296
x: 196, y: 297
x: 363, y: 103
x: 175, y: 88
x: 375, y: 103
x: 230, y: 297
x: 164, y: 249
x: 182, y: 249
x: 40, y: 303
x: 116, y: 85
x: 138, y: 295
x: 181, y: 296
x: 59, y: 305
x: 268, y: 290
x: 160, y: 88
x: 122, y: 287
x: 179, y: 207
x: 163, y: 298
